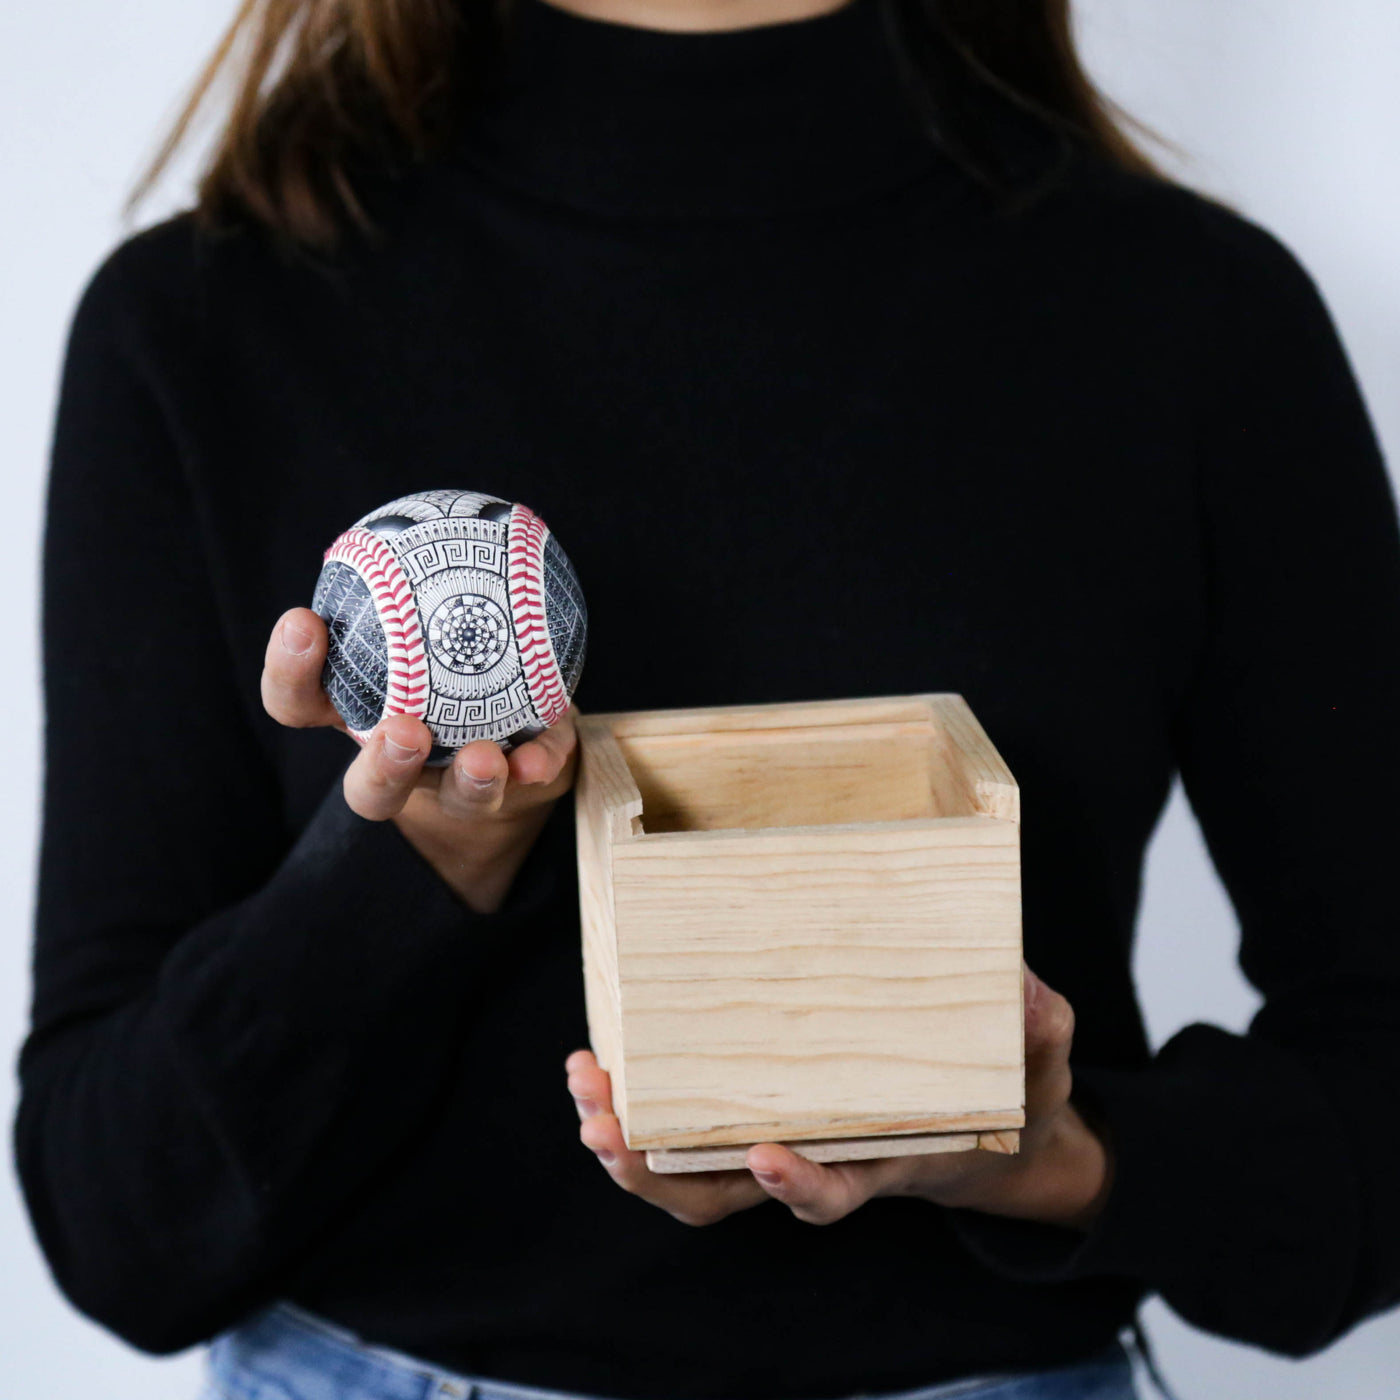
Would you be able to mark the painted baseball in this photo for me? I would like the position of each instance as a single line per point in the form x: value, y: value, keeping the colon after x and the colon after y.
x: 458, y: 608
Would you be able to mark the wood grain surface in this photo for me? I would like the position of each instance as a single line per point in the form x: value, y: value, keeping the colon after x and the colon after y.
x: 802, y: 923
x: 714, y: 1159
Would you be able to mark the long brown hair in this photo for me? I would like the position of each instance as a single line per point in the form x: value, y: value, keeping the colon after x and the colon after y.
x: 326, y: 89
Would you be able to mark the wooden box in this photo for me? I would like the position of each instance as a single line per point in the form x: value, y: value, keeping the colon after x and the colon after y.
x: 802, y: 924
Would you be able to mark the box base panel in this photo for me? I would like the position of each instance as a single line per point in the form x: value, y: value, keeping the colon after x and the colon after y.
x: 852, y: 1149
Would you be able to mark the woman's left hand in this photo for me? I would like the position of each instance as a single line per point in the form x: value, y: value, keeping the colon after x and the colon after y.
x: 1061, y: 1175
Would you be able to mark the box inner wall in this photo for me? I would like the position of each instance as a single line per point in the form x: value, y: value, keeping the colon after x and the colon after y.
x: 804, y: 776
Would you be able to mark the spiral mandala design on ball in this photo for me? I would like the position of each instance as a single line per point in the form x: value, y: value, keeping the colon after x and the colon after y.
x: 468, y: 634
x: 458, y: 608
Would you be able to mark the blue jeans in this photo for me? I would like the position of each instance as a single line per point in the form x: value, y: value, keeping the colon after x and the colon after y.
x: 287, y: 1354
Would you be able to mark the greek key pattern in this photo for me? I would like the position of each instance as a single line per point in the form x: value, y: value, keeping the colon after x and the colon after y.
x: 423, y: 558
x: 513, y: 703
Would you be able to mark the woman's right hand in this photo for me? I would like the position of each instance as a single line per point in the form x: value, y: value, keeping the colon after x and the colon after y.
x: 473, y: 821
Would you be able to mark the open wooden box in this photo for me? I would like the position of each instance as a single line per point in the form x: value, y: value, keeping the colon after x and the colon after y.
x: 802, y: 924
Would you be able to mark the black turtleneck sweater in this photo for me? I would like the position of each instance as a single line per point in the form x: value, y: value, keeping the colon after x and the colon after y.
x: 813, y: 420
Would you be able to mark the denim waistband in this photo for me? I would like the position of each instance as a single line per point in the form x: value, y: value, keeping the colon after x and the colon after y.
x: 285, y: 1353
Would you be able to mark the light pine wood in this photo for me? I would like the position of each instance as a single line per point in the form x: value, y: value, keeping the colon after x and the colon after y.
x: 792, y: 1128
x: 747, y: 779
x: 814, y: 714
x: 718, y: 1159
x: 969, y: 754
x: 1008, y: 1142
x: 774, y: 978
x: 802, y: 923
x: 607, y: 809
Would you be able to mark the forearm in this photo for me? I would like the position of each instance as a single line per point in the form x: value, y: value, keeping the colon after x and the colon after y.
x: 194, y: 1135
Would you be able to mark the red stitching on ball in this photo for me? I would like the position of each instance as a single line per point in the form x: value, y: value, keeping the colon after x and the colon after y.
x: 526, y: 535
x: 397, y: 611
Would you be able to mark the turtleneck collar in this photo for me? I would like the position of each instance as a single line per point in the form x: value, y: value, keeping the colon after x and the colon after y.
x: 615, y: 119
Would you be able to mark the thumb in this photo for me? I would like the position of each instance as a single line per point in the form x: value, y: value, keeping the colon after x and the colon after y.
x: 1049, y: 1035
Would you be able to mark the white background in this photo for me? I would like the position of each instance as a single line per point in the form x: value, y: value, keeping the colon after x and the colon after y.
x: 1290, y: 109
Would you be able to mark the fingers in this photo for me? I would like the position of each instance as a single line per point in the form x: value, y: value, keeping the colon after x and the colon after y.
x: 1049, y: 1036
x: 700, y: 1198
x: 546, y: 756
x: 590, y: 1086
x: 291, y: 678
x: 479, y: 781
x: 815, y: 1193
x: 820, y: 1195
x: 475, y: 784
x: 693, y: 1198
x: 381, y: 778
x: 387, y: 768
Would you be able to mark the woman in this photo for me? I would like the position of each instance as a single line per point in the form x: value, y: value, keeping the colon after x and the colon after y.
x: 851, y: 351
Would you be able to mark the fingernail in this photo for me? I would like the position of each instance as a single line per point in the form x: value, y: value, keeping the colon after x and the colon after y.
x: 1033, y: 986
x: 481, y: 784
x: 398, y: 753
x: 605, y: 1156
x: 768, y: 1178
x: 297, y: 638
x: 587, y: 1107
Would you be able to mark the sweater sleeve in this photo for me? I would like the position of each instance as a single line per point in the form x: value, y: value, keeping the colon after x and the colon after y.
x: 1255, y: 1173
x: 235, y: 1026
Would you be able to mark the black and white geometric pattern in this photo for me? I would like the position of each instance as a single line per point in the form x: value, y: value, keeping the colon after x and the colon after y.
x: 356, y: 675
x: 468, y: 634
x: 565, y: 612
x: 451, y: 551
